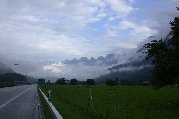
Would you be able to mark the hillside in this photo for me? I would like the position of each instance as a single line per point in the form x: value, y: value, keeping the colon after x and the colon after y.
x: 134, y: 70
x: 9, y: 77
x: 5, y: 69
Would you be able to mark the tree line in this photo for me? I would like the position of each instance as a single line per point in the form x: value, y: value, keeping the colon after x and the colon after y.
x: 164, y: 54
x: 74, y: 81
x: 10, y: 79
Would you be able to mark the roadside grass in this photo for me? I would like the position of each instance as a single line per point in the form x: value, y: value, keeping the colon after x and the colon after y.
x: 45, y: 108
x: 133, y: 102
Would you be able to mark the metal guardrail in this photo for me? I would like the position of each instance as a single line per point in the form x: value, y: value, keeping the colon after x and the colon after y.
x: 54, y: 111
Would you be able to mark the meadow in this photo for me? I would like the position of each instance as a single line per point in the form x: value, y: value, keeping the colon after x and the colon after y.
x: 114, y: 102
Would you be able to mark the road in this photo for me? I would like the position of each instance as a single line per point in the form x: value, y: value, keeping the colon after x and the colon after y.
x: 19, y: 102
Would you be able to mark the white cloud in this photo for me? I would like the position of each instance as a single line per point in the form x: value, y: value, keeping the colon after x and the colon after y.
x: 54, y: 68
x: 127, y: 25
x: 120, y: 7
x: 79, y: 71
x: 61, y: 29
x: 138, y: 32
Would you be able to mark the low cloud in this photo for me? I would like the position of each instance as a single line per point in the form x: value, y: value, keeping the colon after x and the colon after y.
x: 79, y: 71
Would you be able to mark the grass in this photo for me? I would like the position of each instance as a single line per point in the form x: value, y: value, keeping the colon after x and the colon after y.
x: 45, y: 108
x: 132, y: 102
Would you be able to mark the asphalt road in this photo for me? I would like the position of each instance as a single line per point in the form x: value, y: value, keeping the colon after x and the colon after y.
x: 19, y: 102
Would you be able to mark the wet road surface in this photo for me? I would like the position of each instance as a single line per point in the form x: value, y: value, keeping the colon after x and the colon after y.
x: 19, y: 102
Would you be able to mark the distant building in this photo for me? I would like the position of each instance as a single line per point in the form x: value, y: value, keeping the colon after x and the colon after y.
x: 41, y: 81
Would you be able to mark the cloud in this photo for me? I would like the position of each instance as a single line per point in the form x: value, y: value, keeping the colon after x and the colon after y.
x: 138, y: 32
x: 133, y: 68
x: 79, y: 71
x: 120, y: 7
x: 58, y: 27
x: 54, y: 68
x: 34, y: 31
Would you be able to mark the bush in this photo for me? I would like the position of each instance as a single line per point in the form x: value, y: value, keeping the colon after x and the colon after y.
x: 62, y: 81
x: 90, y: 82
x: 111, y: 82
x: 73, y: 81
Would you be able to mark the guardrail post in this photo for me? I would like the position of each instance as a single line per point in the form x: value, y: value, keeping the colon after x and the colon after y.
x: 54, y: 111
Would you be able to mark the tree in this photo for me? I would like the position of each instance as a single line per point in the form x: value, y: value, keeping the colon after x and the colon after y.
x: 48, y: 82
x: 73, y: 81
x: 61, y: 81
x: 164, y: 55
x: 41, y: 81
x: 0, y: 77
x: 90, y: 82
x: 111, y: 82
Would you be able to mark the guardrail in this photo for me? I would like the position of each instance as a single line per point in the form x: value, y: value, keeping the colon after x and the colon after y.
x: 54, y: 111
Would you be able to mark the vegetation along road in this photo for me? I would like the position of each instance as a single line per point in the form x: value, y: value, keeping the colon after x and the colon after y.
x: 114, y: 102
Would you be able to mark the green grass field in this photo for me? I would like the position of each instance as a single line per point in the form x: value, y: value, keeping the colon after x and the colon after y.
x: 132, y: 102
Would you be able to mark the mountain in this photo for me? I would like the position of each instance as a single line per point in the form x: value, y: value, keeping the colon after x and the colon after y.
x: 8, y: 75
x: 130, y: 65
x: 133, y: 63
x: 5, y: 69
x: 134, y: 70
x: 13, y: 78
x: 109, y: 59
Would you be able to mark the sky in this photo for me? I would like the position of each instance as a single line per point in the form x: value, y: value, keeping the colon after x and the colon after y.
x: 40, y: 34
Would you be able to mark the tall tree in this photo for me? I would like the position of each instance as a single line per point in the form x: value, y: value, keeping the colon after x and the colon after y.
x: 61, y: 81
x: 90, y: 82
x: 73, y: 81
x: 165, y: 56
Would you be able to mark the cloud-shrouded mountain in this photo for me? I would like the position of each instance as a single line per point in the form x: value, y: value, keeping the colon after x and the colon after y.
x: 109, y: 66
x: 128, y: 61
x: 5, y: 69
x: 109, y: 59
x: 8, y: 75
x: 133, y: 63
x: 134, y: 70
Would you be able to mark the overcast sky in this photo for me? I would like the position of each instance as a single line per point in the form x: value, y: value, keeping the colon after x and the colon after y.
x: 41, y: 30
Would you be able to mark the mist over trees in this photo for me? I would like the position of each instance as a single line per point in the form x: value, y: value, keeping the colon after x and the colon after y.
x: 13, y: 78
x: 164, y: 54
x: 132, y: 73
x: 4, y: 69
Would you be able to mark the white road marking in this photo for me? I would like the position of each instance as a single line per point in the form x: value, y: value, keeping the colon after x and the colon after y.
x: 3, y: 105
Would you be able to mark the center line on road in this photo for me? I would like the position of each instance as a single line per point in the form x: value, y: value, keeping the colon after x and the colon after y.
x: 3, y: 105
